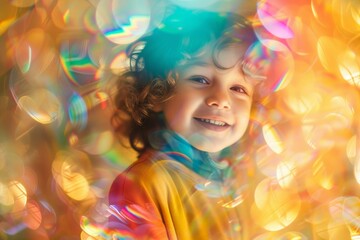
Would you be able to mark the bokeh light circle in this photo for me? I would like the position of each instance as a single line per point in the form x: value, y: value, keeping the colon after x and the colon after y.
x: 272, y: 61
x: 274, y: 208
x: 123, y: 22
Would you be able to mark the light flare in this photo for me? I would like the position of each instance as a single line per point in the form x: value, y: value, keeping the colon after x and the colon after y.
x: 272, y: 138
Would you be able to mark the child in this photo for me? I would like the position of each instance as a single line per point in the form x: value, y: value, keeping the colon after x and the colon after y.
x: 186, y: 100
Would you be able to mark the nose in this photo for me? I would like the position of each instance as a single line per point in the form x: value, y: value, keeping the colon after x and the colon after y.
x: 219, y: 99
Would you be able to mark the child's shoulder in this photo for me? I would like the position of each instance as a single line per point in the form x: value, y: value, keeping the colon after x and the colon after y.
x: 150, y: 164
x: 153, y: 174
x: 153, y: 167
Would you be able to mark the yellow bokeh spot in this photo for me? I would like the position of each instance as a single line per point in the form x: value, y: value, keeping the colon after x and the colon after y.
x: 20, y: 195
x: 274, y: 207
x: 41, y: 105
x: 285, y: 173
x: 75, y: 186
x: 349, y: 69
x: 351, y: 149
x: 321, y: 174
x: 272, y: 138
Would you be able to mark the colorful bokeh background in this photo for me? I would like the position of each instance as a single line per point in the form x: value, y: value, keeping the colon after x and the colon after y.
x: 58, y: 153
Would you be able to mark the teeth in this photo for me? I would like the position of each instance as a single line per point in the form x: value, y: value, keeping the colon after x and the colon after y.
x: 215, y: 122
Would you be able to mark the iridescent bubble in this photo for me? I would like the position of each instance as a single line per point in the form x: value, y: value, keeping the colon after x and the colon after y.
x: 78, y: 112
x: 274, y: 19
x: 42, y: 105
x: 274, y: 208
x: 123, y: 22
x: 19, y: 34
x: 108, y: 57
x: 99, y: 48
x: 77, y: 65
x: 105, y: 53
x: 272, y: 61
x: 158, y: 9
x: 35, y: 53
x: 39, y: 103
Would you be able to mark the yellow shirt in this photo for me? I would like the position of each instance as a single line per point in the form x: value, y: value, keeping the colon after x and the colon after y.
x: 163, y: 199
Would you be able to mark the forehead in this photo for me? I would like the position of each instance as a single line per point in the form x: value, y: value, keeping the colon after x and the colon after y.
x: 222, y: 57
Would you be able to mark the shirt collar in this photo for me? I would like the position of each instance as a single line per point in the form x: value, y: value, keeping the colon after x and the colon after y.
x: 179, y: 149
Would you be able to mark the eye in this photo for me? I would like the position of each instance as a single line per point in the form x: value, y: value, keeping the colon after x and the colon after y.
x: 199, y: 79
x: 239, y: 89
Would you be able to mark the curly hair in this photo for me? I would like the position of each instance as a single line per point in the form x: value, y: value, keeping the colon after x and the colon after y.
x: 155, y: 59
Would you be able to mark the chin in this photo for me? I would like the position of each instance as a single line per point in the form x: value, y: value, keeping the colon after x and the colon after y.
x: 205, y: 144
x: 208, y: 148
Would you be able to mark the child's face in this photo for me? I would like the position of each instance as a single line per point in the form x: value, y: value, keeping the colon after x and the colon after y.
x: 210, y: 107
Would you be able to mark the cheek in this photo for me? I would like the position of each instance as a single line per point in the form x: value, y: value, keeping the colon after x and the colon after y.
x: 243, y: 115
x: 175, y: 113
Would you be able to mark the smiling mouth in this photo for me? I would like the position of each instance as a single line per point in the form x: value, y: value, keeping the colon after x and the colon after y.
x: 212, y: 124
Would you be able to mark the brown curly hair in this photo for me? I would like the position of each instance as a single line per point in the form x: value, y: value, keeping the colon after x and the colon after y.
x: 154, y: 60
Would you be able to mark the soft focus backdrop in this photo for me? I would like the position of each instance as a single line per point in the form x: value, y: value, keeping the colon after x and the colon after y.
x: 58, y: 154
